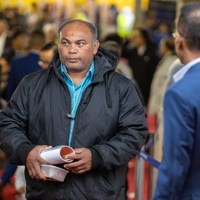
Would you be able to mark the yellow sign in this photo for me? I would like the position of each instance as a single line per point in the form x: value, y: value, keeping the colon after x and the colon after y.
x: 27, y: 3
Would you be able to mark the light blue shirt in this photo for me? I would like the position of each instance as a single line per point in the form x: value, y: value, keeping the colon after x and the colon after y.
x: 76, y: 92
x: 181, y: 73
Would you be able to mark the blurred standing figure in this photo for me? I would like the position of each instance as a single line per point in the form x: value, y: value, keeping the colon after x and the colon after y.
x: 179, y: 173
x: 4, y: 71
x: 4, y: 37
x: 162, y: 31
x: 18, y: 44
x: 50, y: 32
x: 82, y: 102
x: 155, y: 105
x: 159, y: 82
x: 143, y: 60
x: 23, y: 65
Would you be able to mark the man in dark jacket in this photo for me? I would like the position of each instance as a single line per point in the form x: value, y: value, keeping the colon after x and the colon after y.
x: 81, y: 102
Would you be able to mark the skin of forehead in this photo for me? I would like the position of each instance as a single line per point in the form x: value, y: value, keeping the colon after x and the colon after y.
x: 79, y: 28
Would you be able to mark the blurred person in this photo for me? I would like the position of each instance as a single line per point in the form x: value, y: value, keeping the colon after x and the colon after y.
x: 122, y: 67
x: 8, y: 172
x: 159, y: 82
x: 162, y: 31
x: 19, y: 44
x: 155, y: 105
x: 14, y: 17
x: 142, y: 59
x: 4, y: 71
x: 50, y: 32
x: 179, y: 173
x: 46, y: 55
x: 45, y: 16
x: 32, y: 19
x: 60, y: 105
x: 23, y: 65
x: 6, y: 181
x: 114, y: 43
x: 4, y: 36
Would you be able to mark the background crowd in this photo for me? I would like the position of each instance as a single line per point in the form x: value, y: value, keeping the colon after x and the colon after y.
x: 145, y: 51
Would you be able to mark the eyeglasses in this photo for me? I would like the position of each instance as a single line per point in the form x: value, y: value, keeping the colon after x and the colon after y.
x: 175, y: 34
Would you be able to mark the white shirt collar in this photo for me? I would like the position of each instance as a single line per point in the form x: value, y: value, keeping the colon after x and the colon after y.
x: 181, y: 73
x: 141, y: 50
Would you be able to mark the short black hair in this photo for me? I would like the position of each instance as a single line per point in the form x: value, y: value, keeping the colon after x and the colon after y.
x: 188, y: 25
x: 145, y: 33
x: 92, y: 28
x: 48, y: 46
x: 18, y: 31
x: 37, y: 37
x: 113, y: 37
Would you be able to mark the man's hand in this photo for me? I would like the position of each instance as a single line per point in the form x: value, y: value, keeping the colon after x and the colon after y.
x: 82, y: 161
x: 33, y: 162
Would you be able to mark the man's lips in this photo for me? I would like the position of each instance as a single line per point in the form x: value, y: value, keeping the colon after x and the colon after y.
x: 72, y: 60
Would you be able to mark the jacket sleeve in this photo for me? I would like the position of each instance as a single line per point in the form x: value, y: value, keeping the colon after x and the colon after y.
x: 130, y: 136
x: 178, y: 143
x: 14, y: 126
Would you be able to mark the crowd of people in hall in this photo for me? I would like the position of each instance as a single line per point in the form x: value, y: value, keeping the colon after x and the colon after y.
x: 148, y: 57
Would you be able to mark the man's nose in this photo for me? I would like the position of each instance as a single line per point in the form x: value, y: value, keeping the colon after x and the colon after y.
x: 72, y: 48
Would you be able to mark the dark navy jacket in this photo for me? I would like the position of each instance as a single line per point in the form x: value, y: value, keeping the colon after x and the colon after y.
x: 21, y: 66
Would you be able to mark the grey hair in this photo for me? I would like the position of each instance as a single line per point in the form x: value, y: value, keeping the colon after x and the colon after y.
x: 91, y: 26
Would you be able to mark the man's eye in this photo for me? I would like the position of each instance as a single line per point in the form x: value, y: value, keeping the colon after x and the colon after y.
x: 80, y: 44
x: 64, y: 43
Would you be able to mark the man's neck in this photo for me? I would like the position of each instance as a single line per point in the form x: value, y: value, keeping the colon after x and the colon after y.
x: 190, y: 57
x: 77, y: 77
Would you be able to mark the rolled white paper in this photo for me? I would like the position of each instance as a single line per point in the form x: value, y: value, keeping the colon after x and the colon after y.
x: 56, y: 155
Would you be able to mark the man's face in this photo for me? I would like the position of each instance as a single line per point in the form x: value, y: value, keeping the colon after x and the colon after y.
x: 21, y: 42
x: 138, y: 39
x: 76, y: 46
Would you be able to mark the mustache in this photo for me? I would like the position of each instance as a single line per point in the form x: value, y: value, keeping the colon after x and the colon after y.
x: 72, y: 56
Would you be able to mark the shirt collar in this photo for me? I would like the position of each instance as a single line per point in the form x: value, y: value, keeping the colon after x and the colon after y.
x: 90, y: 72
x: 181, y: 73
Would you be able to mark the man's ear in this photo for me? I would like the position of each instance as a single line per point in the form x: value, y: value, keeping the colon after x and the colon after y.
x: 96, y: 46
x: 181, y: 43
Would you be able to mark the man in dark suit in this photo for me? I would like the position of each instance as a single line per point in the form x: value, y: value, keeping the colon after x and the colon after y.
x: 179, y: 172
x: 23, y: 65
x: 143, y: 59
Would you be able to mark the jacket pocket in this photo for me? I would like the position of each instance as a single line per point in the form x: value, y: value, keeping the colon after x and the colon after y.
x: 104, y: 183
x: 90, y: 186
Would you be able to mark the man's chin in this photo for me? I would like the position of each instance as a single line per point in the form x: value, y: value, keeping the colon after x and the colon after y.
x: 74, y: 67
